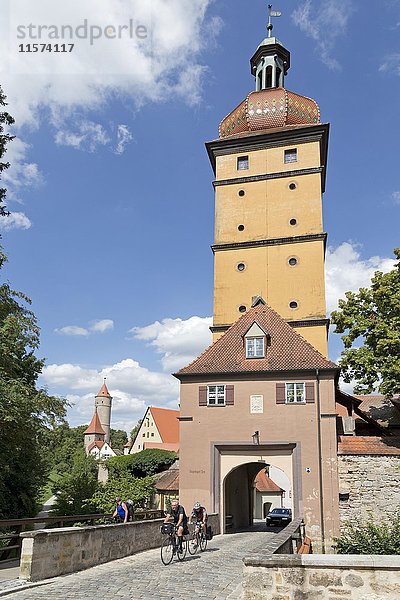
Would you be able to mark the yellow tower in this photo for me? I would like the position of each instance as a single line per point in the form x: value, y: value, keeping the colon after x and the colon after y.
x: 270, y: 165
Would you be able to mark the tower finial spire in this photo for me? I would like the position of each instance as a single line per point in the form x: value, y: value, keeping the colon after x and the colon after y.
x: 271, y: 13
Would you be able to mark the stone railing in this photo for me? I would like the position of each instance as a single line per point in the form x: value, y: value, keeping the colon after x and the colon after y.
x: 320, y: 577
x: 52, y: 552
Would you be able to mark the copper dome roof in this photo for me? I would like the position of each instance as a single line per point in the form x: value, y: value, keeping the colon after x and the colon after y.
x: 268, y: 109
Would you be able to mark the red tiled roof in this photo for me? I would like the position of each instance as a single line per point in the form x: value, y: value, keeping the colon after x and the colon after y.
x: 161, y: 446
x: 287, y: 351
x: 265, y: 484
x: 364, y: 445
x: 379, y: 408
x: 95, y: 426
x: 167, y: 424
x: 104, y: 391
x: 98, y: 444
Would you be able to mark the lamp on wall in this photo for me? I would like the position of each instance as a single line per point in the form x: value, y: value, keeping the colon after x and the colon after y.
x: 256, y: 437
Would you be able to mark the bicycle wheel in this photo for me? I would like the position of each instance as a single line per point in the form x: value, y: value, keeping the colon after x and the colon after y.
x: 203, y: 541
x: 181, y: 555
x: 193, y: 543
x: 167, y: 551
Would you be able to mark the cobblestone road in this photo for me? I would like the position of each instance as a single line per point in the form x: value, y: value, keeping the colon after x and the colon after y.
x: 215, y: 574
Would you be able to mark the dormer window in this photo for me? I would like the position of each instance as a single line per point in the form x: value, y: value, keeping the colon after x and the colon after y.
x: 255, y: 347
x: 255, y: 342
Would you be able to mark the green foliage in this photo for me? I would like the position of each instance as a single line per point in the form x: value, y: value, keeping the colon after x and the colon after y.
x: 146, y: 462
x: 127, y: 487
x: 76, y: 486
x: 5, y: 121
x: 372, y: 317
x: 61, y: 444
x: 118, y: 439
x: 135, y: 430
x: 370, y: 538
x: 26, y: 413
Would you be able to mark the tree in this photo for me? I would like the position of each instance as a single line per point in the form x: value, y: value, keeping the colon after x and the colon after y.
x: 141, y: 464
x: 5, y: 121
x: 118, y: 439
x: 135, y: 430
x: 76, y: 487
x: 372, y: 317
x: 26, y: 413
x: 127, y: 487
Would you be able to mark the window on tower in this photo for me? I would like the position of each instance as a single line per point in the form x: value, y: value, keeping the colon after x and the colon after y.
x: 291, y: 155
x: 294, y: 393
x: 242, y: 163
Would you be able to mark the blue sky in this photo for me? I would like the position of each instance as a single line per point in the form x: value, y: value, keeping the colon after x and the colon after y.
x: 110, y: 185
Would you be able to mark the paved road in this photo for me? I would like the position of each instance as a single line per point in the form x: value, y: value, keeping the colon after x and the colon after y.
x: 215, y: 574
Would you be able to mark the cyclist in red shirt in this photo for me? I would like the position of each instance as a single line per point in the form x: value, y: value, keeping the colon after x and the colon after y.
x: 199, y: 514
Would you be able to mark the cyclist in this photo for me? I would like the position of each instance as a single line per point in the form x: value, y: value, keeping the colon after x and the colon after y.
x: 199, y: 514
x: 121, y: 512
x: 178, y: 516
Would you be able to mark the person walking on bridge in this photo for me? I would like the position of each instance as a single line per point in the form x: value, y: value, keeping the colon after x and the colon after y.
x: 121, y: 511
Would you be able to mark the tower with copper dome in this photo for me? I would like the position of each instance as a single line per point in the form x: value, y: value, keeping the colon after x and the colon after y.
x: 269, y: 163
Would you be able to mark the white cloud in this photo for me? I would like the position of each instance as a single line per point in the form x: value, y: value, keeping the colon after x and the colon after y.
x: 88, y: 136
x: 396, y: 197
x: 102, y: 325
x: 179, y: 341
x: 324, y: 24
x: 132, y: 386
x: 73, y: 330
x: 347, y: 271
x: 98, y: 326
x: 124, y: 136
x: 15, y: 220
x: 162, y: 66
x: 391, y: 64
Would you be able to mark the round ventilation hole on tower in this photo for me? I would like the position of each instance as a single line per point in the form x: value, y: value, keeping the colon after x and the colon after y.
x: 293, y: 305
x: 292, y: 261
x: 241, y: 192
x: 292, y: 186
x: 241, y: 267
x: 293, y: 222
x: 241, y: 227
x: 242, y: 308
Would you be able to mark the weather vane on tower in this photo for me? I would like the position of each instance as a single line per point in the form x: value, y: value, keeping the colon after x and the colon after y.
x: 272, y: 13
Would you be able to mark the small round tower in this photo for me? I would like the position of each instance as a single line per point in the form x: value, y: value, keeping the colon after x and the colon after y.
x: 102, y: 404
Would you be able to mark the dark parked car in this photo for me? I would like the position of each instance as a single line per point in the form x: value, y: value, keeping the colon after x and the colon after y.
x: 279, y: 516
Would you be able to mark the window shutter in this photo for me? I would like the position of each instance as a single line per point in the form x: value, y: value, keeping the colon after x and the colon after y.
x: 310, y: 397
x: 229, y: 395
x: 203, y: 395
x: 280, y: 393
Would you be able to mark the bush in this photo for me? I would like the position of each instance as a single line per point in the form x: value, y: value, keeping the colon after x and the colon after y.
x: 141, y: 464
x: 125, y: 487
x: 74, y: 488
x: 370, y: 538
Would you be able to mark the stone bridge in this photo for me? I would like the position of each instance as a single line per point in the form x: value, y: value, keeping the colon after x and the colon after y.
x: 215, y: 574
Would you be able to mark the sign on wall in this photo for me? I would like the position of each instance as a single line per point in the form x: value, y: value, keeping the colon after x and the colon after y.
x: 256, y: 404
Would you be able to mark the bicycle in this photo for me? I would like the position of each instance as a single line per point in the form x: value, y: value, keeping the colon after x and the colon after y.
x: 170, y: 546
x: 197, y: 540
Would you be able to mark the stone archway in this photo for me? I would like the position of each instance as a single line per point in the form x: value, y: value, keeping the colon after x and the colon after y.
x: 239, y: 496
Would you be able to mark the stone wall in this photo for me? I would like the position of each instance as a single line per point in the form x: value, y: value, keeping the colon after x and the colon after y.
x: 368, y: 484
x: 52, y: 552
x: 320, y: 577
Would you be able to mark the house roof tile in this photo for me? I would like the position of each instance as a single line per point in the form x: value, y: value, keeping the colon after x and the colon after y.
x: 96, y: 444
x: 95, y: 426
x: 265, y: 484
x: 364, y: 445
x: 287, y: 350
x: 166, y: 421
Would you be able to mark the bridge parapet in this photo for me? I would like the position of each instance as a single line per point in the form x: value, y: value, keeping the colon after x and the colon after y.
x: 48, y: 553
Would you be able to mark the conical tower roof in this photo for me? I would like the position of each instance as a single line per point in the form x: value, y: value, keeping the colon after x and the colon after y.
x: 104, y: 391
x: 95, y: 426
